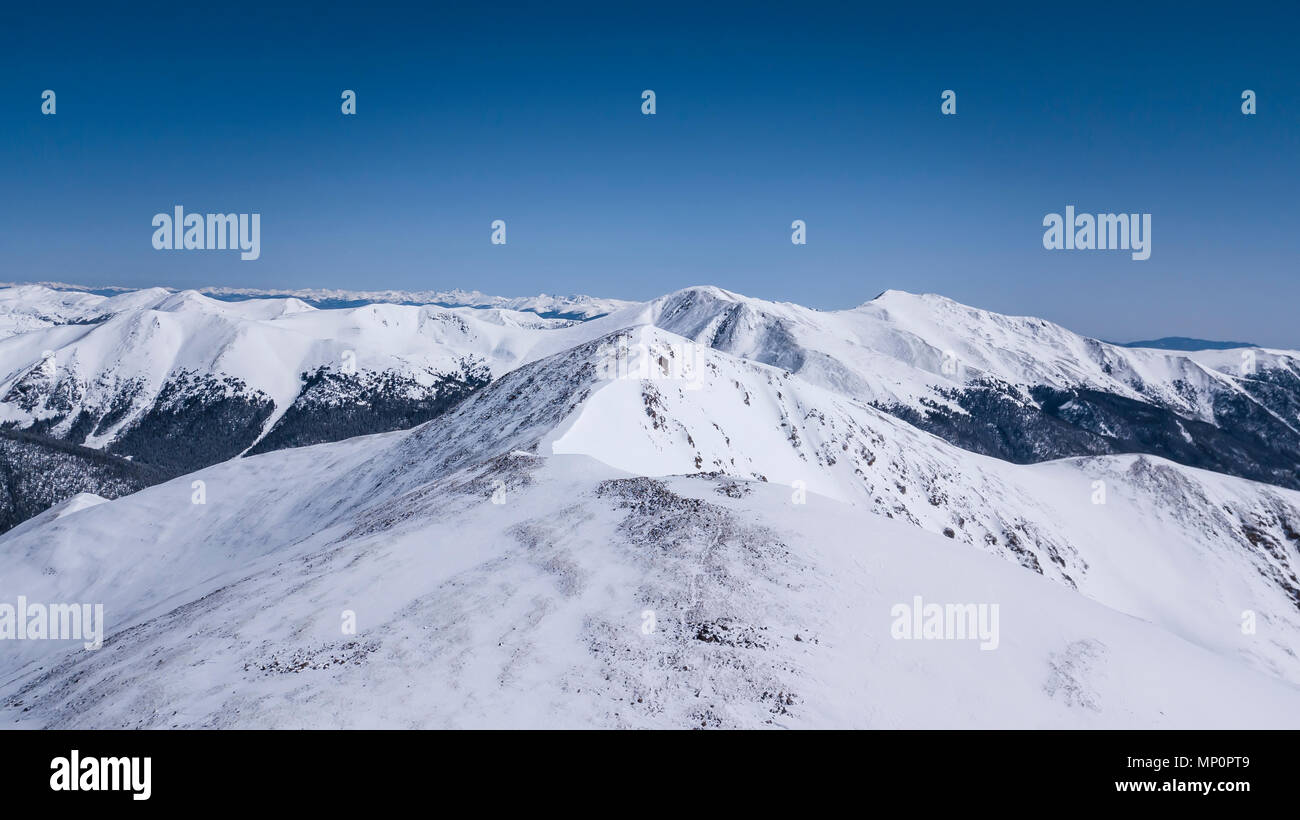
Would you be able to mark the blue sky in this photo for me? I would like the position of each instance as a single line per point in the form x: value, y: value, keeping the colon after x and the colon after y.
x: 766, y: 113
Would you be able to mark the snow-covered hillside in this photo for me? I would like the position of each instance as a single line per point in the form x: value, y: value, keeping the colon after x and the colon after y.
x: 531, y: 558
x: 593, y: 599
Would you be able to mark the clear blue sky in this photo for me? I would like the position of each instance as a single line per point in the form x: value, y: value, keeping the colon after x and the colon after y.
x: 766, y: 113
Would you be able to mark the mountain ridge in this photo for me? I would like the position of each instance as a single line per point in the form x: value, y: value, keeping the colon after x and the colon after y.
x: 140, y: 372
x: 514, y: 543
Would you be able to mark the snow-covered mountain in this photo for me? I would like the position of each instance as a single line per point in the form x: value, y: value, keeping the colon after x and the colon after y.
x: 181, y: 380
x: 137, y: 373
x: 1015, y: 387
x: 639, y: 530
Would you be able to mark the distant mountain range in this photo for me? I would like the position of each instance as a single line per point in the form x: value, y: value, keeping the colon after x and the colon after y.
x: 1184, y: 343
x: 578, y: 308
